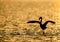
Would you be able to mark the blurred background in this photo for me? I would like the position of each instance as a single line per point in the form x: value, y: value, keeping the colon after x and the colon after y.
x: 14, y: 14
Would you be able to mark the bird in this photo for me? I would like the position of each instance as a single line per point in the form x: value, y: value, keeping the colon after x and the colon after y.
x: 44, y: 25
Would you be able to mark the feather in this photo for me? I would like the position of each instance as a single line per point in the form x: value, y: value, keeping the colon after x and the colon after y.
x: 33, y: 22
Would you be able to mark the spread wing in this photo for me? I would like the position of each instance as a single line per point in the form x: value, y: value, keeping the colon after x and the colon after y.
x: 33, y: 22
x: 48, y: 22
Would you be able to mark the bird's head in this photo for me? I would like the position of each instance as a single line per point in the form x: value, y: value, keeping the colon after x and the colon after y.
x: 40, y: 18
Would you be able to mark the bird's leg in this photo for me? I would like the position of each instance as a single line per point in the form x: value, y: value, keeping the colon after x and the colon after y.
x: 43, y: 32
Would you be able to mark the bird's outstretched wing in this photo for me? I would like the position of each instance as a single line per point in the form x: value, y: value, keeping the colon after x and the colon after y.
x: 48, y: 22
x: 33, y: 22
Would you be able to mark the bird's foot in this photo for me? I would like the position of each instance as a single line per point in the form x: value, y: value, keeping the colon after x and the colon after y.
x: 44, y: 34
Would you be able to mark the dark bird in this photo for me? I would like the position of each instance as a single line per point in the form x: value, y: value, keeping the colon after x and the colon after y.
x: 43, y: 26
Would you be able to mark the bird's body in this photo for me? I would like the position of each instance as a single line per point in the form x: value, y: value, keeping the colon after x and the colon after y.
x: 43, y: 26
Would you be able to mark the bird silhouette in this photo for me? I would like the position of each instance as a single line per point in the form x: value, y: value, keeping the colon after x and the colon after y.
x: 43, y: 26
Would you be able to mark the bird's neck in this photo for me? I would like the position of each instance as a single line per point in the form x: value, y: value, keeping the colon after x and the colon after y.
x: 41, y: 20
